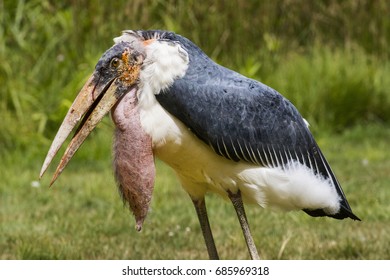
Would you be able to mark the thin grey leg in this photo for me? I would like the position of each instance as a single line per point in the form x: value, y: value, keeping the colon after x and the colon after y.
x: 236, y: 199
x: 200, y: 207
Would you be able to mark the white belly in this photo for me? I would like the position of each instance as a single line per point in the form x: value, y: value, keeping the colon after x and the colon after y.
x: 201, y: 170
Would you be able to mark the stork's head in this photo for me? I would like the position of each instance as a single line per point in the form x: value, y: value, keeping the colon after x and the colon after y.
x: 116, y: 74
x: 121, y: 63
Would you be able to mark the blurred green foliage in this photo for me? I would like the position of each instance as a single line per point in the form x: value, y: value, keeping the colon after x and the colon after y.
x: 331, y: 58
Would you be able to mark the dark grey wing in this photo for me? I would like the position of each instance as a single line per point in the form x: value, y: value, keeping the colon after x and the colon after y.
x: 242, y: 119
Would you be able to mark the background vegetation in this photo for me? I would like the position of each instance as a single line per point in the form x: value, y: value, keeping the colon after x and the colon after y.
x: 331, y: 58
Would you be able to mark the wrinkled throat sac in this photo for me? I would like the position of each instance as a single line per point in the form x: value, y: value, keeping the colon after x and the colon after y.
x: 133, y: 159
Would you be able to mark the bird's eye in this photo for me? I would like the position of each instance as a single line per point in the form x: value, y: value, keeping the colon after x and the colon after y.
x: 115, y: 62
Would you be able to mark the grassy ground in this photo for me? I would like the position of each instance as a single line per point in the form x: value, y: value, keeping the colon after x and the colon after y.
x: 82, y: 216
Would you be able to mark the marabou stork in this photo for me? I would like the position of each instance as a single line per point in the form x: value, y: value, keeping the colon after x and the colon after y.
x: 221, y: 132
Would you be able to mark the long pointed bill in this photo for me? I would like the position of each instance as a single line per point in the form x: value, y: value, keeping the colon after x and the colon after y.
x: 81, y: 104
x: 93, y: 102
x: 109, y: 99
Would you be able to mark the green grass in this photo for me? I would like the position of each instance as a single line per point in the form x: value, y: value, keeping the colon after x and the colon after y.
x: 82, y: 215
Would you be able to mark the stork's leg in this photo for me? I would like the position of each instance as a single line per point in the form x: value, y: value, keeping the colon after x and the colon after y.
x: 239, y: 207
x: 200, y: 207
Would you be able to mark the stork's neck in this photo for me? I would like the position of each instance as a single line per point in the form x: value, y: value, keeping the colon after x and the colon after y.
x: 165, y: 62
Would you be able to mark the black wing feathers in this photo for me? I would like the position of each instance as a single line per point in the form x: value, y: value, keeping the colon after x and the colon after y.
x: 255, y: 124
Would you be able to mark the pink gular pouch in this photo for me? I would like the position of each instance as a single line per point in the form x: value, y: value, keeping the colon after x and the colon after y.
x: 133, y: 157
